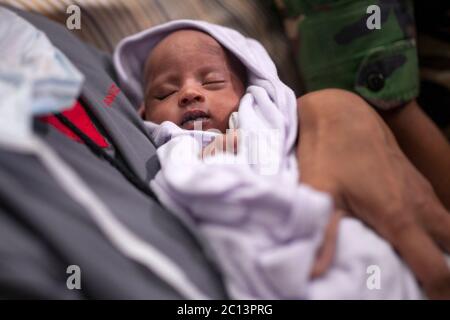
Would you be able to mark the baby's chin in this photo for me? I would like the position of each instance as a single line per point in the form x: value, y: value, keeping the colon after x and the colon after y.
x: 203, y: 125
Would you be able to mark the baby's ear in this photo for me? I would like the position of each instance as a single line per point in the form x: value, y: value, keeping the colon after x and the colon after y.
x: 141, y: 111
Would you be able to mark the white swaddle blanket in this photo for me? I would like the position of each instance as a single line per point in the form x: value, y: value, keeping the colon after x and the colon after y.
x: 262, y: 228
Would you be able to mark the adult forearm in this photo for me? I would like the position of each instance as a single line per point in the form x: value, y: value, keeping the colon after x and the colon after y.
x: 424, y: 144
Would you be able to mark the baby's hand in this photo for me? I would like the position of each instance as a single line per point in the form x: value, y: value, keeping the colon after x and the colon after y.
x: 227, y: 142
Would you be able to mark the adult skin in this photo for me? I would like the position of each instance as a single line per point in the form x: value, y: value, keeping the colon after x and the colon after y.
x: 424, y: 144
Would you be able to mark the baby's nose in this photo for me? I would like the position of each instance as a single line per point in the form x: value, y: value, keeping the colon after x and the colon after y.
x: 189, y: 96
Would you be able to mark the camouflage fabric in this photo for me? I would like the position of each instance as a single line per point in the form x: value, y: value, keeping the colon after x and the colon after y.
x: 335, y: 48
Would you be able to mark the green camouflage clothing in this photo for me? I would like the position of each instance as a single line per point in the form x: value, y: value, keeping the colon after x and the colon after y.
x: 336, y: 49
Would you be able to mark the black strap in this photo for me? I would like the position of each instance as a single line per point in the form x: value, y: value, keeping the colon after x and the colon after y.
x: 101, y: 153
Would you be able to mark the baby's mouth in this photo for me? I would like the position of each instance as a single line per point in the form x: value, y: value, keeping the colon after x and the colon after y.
x: 194, y: 117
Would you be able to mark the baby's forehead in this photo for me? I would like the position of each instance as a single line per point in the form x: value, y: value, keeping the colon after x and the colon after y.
x: 187, y: 40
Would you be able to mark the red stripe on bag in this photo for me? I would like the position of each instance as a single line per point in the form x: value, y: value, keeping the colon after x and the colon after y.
x: 78, y: 116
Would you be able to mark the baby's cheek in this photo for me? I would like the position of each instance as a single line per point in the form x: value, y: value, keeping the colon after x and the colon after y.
x: 156, y: 114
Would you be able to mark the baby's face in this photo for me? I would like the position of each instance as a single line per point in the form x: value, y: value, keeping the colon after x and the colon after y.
x: 189, y: 77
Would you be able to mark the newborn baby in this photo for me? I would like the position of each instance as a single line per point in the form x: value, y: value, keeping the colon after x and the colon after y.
x: 262, y: 231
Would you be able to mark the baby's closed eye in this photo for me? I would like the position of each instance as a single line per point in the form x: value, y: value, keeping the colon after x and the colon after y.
x: 162, y: 96
x: 213, y: 80
x: 214, y: 83
x: 163, y: 92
